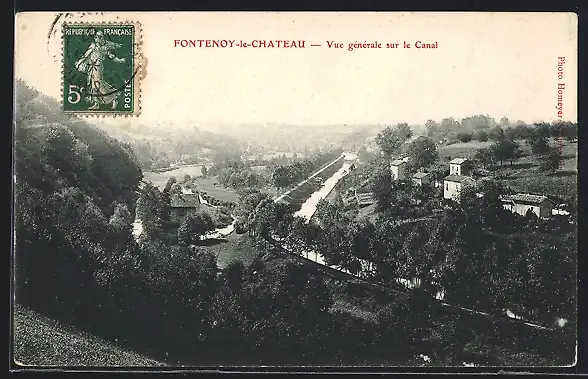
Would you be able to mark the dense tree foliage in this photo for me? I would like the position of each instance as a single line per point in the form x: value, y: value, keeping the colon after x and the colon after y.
x: 390, y: 139
x: 506, y: 149
x: 482, y: 128
x: 193, y: 226
x: 482, y: 255
x: 422, y: 153
x: 284, y: 176
x: 539, y: 145
x: 74, y: 192
x: 552, y: 160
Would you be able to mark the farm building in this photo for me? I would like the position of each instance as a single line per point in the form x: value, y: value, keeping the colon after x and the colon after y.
x: 459, y: 166
x: 453, y: 185
x: 398, y: 169
x: 181, y: 204
x: 421, y: 178
x: 521, y: 203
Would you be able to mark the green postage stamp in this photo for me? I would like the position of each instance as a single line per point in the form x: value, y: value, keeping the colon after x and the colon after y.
x: 101, y: 69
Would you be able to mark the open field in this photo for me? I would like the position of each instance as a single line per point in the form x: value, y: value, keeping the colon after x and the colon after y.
x: 462, y: 149
x: 216, y: 190
x: 468, y: 150
x: 40, y: 341
x: 207, y: 185
x: 160, y: 178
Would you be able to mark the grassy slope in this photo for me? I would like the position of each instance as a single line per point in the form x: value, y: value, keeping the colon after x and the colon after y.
x: 40, y: 341
x: 207, y: 185
x: 217, y: 191
x: 235, y: 247
x: 159, y: 179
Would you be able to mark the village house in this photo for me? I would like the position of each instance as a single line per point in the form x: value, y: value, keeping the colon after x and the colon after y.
x: 459, y: 166
x: 398, y: 169
x: 181, y: 204
x: 458, y: 179
x: 521, y: 203
x: 453, y: 186
x: 421, y: 178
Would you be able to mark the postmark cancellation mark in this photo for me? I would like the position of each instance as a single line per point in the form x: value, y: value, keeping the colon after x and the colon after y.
x: 101, y: 68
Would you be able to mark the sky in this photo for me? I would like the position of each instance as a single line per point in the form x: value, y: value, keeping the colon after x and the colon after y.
x: 502, y: 65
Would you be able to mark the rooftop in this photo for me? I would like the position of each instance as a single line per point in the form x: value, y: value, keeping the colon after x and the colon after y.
x: 420, y: 175
x: 184, y: 200
x: 459, y: 178
x: 458, y: 160
x: 397, y: 162
x: 526, y: 198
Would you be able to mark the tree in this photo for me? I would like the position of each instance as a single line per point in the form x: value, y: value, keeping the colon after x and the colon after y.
x: 479, y: 122
x: 381, y: 186
x: 150, y: 207
x: 121, y: 219
x: 490, y: 204
x: 504, y: 123
x: 432, y: 128
x: 496, y: 133
x: 481, y: 135
x: 204, y: 171
x: 464, y: 136
x: 166, y: 199
x: 570, y: 131
x: 404, y: 131
x: 542, y: 129
x: 281, y: 177
x: 193, y: 226
x: 176, y: 188
x: 170, y: 182
x: 438, y: 171
x: 552, y: 161
x: 422, y: 153
x: 450, y: 126
x: 510, y: 133
x: 485, y: 157
x: 506, y: 150
x: 523, y: 130
x: 539, y: 145
x: 391, y: 139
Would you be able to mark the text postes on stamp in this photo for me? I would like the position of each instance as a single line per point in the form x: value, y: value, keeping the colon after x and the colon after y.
x: 101, y: 69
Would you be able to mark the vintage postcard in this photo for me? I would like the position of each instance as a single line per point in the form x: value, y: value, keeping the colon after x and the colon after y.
x: 230, y: 189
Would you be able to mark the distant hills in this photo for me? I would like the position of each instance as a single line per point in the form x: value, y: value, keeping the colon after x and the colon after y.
x: 161, y: 144
x: 283, y: 137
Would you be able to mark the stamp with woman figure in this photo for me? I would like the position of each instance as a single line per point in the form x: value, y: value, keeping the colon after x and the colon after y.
x: 101, y: 69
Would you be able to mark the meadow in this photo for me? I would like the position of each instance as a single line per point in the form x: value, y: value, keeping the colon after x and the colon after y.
x: 524, y: 175
x: 208, y: 185
x: 159, y: 178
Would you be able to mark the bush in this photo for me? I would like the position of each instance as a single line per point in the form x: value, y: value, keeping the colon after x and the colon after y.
x: 481, y: 136
x: 464, y: 137
x: 240, y: 228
